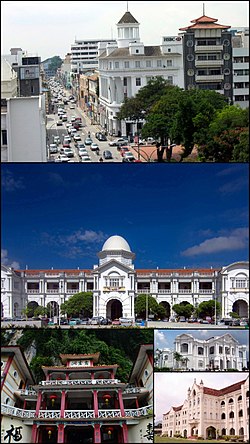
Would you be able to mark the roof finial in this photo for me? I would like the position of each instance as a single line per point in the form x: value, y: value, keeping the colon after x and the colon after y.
x: 127, y: 6
x: 203, y: 8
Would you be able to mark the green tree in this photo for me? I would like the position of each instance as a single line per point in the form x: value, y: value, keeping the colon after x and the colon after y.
x: 183, y: 309
x: 153, y: 307
x: 178, y: 358
x: 207, y: 308
x: 41, y: 311
x: 28, y: 312
x: 79, y: 304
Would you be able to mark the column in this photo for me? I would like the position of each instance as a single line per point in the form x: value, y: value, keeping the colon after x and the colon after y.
x: 121, y: 402
x: 63, y: 403
x: 97, y: 433
x: 95, y: 396
x: 125, y: 433
x: 7, y: 367
x: 60, y: 433
x: 34, y: 434
x: 137, y: 403
x: 38, y: 403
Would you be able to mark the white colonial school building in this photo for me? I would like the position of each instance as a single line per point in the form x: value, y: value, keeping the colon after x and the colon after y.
x: 219, y: 352
x: 208, y: 412
x: 116, y: 283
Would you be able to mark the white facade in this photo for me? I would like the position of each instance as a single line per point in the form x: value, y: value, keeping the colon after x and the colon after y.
x: 26, y: 129
x: 240, y: 42
x: 128, y: 65
x: 208, y: 412
x: 115, y: 284
x: 84, y: 55
x: 8, y: 80
x: 216, y: 353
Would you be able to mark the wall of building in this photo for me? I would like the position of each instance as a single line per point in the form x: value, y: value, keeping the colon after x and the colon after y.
x: 8, y: 423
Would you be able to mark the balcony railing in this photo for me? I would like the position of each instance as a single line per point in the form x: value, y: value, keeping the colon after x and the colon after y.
x: 52, y: 290
x: 108, y: 289
x: 14, y: 411
x: 184, y: 291
x: 75, y: 414
x: 205, y: 291
x: 142, y: 411
x: 71, y: 382
x: 132, y: 390
x: 33, y: 291
x: 72, y: 290
x: 164, y: 291
x: 79, y: 414
x: 26, y: 392
x: 143, y: 291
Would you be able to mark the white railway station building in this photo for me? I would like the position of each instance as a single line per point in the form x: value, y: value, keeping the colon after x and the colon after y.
x: 116, y: 283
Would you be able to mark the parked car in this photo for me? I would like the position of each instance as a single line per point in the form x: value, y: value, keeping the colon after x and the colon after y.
x: 107, y: 154
x: 69, y: 152
x: 116, y: 322
x: 182, y: 319
x: 64, y: 322
x: 75, y: 321
x: 94, y: 147
x: 106, y: 321
x: 57, y: 140
x: 59, y: 123
x: 85, y: 158
x: 124, y: 149
x: 126, y: 322
x: 101, y: 137
x: 129, y: 156
x: 85, y: 321
x: 62, y: 158
x: 77, y: 137
x: 96, y: 320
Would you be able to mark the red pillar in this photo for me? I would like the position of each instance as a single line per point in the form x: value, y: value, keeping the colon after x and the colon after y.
x: 24, y: 404
x: 112, y: 374
x: 60, y: 433
x: 97, y: 433
x: 121, y: 402
x: 67, y: 376
x: 125, y: 433
x: 137, y: 403
x: 95, y: 396
x: 63, y: 403
x: 6, y: 370
x: 38, y: 403
x: 34, y: 434
x: 48, y: 377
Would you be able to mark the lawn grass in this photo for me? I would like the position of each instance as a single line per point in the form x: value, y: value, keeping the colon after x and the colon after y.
x: 162, y: 439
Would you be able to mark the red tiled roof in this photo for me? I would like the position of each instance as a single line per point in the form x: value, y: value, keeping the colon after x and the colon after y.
x: 176, y: 409
x: 178, y: 270
x: 205, y: 22
x: 224, y: 391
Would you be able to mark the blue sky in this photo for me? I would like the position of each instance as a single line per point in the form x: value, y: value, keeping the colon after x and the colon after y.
x: 24, y: 26
x: 165, y: 338
x: 172, y: 215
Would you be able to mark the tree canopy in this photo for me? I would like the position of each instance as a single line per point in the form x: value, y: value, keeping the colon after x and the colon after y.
x: 79, y: 304
x: 154, y: 308
x: 207, y: 308
x: 183, y: 309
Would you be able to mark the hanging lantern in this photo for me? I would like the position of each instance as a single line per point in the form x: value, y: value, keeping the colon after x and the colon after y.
x: 53, y: 398
x: 49, y: 431
x: 109, y: 431
x: 106, y: 398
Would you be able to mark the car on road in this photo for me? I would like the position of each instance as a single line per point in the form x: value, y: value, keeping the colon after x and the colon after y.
x: 53, y: 148
x: 82, y: 152
x: 72, y: 106
x: 64, y: 118
x: 88, y: 141
x: 67, y: 138
x: 182, y: 319
x: 66, y: 144
x: 116, y: 142
x: 124, y: 150
x: 107, y: 154
x: 94, y: 147
x: 69, y: 152
x: 96, y: 320
x: 126, y: 322
x: 128, y: 156
x: 73, y: 118
x: 62, y: 158
x: 85, y: 321
x: 77, y: 137
x: 59, y: 123
x: 57, y: 139
x: 79, y: 145
x: 101, y: 137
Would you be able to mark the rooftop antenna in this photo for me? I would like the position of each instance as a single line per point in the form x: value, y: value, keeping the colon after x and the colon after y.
x: 127, y: 6
x: 203, y: 8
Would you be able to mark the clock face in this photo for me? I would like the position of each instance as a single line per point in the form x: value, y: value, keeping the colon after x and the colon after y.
x: 226, y: 56
x: 190, y: 72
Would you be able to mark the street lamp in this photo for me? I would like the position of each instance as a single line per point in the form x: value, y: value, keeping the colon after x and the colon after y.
x: 146, y: 320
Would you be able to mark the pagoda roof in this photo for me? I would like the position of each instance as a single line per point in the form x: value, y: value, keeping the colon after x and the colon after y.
x: 205, y: 22
x: 103, y: 367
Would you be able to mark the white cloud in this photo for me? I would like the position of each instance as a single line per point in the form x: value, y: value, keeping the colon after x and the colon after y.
x: 6, y: 261
x: 237, y: 240
x: 86, y: 236
x: 160, y: 339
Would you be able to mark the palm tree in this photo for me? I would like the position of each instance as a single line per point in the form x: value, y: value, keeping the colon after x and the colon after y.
x: 185, y: 360
x: 177, y: 358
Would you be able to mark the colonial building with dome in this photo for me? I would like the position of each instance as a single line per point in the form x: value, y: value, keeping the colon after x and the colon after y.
x: 116, y: 283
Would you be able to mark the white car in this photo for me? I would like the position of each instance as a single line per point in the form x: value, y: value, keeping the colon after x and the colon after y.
x: 57, y: 140
x: 116, y: 142
x: 77, y: 137
x: 67, y: 139
x: 72, y: 106
x: 83, y: 152
x: 53, y: 148
x: 69, y: 152
x: 85, y: 158
x: 73, y: 118
x: 128, y: 155
x: 62, y: 158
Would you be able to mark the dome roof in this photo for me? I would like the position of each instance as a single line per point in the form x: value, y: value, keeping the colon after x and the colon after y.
x: 116, y: 243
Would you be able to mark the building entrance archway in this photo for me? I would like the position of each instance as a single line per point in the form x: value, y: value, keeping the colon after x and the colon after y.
x: 241, y: 308
x: 114, y: 309
x: 167, y: 307
x: 211, y: 432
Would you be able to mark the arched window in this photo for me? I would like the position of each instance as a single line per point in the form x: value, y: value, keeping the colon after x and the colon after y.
x: 184, y: 348
x: 240, y: 413
x: 223, y: 416
x: 247, y: 394
x: 223, y: 432
x: 211, y: 350
x: 240, y: 398
x: 222, y: 403
x: 200, y: 351
x: 241, y: 431
x: 230, y: 401
x: 7, y: 401
x: 231, y: 415
x: 194, y: 393
x: 232, y: 432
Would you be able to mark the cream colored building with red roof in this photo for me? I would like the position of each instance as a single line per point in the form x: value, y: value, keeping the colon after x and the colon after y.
x: 208, y: 412
x: 116, y: 283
